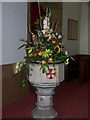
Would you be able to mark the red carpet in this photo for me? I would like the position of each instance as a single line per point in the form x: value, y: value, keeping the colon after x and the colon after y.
x: 70, y: 101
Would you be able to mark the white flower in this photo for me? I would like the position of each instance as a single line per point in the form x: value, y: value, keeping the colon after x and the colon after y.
x: 49, y: 36
x: 59, y: 36
x: 43, y: 31
x: 67, y: 61
x: 51, y: 30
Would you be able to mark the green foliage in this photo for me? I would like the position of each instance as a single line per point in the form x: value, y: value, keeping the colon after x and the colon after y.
x: 46, y: 47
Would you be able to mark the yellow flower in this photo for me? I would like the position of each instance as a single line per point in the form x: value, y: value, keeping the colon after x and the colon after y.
x: 43, y: 62
x: 53, y: 36
x: 57, y: 48
x: 50, y: 59
x: 40, y: 53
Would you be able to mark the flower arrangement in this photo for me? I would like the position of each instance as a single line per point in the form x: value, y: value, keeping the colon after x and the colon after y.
x: 46, y: 46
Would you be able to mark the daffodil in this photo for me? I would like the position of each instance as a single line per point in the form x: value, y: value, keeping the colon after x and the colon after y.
x: 57, y: 48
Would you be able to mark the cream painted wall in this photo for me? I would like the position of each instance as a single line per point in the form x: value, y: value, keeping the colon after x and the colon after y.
x: 84, y: 29
x: 71, y: 10
x: 14, y: 28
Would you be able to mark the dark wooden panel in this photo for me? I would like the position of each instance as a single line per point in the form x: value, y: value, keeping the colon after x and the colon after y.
x: 78, y: 69
x: 84, y: 69
x: 11, y: 90
x: 0, y: 87
x: 72, y: 71
x: 33, y: 14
